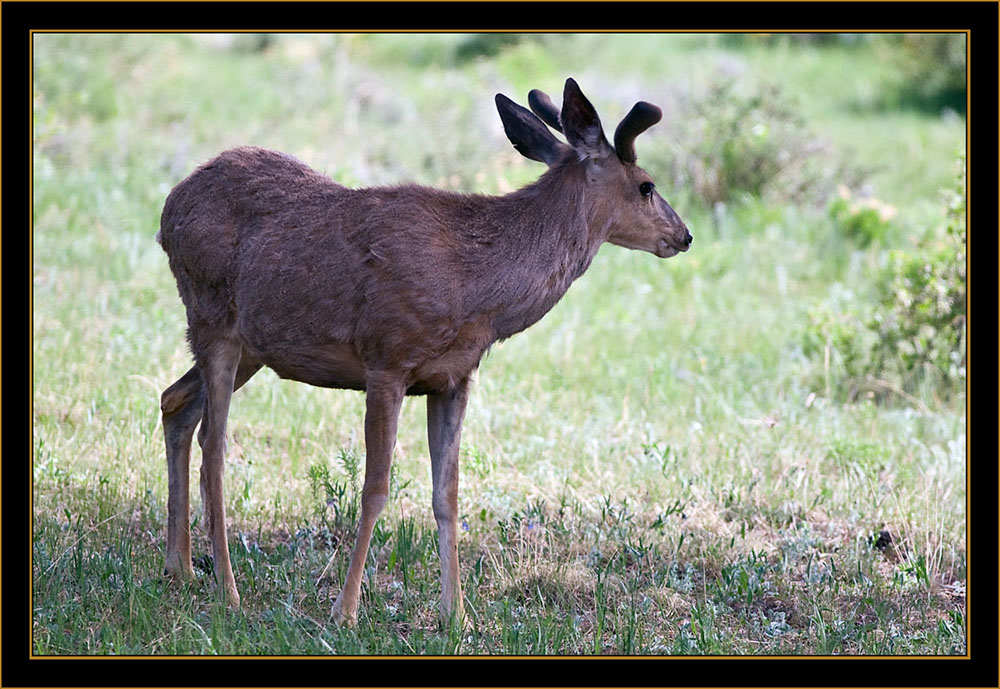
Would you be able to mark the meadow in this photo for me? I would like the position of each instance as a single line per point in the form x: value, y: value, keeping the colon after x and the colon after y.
x: 754, y: 448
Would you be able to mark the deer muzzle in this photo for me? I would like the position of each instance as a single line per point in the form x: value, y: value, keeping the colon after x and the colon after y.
x: 673, y: 244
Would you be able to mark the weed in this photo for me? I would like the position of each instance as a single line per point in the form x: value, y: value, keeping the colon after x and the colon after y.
x: 755, y: 144
x: 863, y: 221
x: 912, y: 336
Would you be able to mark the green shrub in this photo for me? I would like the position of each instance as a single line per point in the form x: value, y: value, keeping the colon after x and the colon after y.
x: 863, y: 221
x: 743, y: 40
x: 734, y: 144
x: 911, y: 340
x: 931, y: 69
x: 838, y: 335
x: 922, y: 311
x: 481, y: 45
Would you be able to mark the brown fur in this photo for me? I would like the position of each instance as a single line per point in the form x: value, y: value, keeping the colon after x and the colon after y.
x: 393, y: 290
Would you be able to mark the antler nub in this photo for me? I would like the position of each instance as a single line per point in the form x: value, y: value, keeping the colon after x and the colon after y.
x: 546, y: 110
x: 641, y: 117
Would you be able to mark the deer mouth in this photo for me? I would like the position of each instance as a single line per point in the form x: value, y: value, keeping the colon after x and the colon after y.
x: 665, y: 248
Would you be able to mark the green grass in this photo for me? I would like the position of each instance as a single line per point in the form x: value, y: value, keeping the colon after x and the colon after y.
x: 654, y: 468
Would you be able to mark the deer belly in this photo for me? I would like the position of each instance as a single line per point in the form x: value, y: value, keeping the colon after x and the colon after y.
x: 453, y: 365
x: 332, y: 365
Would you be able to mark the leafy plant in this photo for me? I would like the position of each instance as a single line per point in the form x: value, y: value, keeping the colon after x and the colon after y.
x: 328, y: 493
x: 864, y: 221
x: 931, y: 69
x: 735, y: 145
x: 915, y: 334
x: 838, y: 335
x: 922, y: 311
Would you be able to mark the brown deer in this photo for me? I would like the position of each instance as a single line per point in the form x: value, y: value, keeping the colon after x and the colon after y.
x: 394, y: 291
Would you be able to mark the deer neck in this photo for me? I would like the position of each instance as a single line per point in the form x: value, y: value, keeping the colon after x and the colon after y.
x: 546, y: 237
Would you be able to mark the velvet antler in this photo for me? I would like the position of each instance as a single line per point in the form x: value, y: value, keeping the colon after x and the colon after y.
x: 546, y: 110
x: 641, y: 117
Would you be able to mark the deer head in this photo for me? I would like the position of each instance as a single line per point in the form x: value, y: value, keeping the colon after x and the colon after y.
x: 619, y: 194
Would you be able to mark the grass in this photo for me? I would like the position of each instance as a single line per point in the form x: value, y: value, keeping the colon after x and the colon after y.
x: 651, y: 469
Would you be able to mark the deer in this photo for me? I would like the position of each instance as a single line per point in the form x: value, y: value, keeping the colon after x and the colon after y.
x: 393, y: 291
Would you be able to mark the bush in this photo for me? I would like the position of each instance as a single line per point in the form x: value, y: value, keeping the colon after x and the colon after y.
x: 742, y: 40
x: 912, y: 338
x: 733, y: 145
x: 923, y: 302
x: 863, y: 221
x: 480, y: 45
x: 931, y: 69
x: 838, y: 335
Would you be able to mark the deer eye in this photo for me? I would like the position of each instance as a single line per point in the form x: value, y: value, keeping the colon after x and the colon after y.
x: 646, y: 188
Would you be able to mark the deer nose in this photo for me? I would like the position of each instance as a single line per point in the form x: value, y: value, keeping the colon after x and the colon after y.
x: 687, y: 239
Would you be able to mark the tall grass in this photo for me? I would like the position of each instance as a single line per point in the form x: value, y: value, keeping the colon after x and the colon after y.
x: 654, y: 468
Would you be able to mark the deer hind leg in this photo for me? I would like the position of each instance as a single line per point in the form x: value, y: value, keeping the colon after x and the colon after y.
x: 384, y: 399
x: 445, y: 412
x: 218, y: 371
x: 182, y: 405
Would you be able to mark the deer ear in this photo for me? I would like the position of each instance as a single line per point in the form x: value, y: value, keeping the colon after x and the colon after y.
x: 530, y: 136
x: 580, y: 123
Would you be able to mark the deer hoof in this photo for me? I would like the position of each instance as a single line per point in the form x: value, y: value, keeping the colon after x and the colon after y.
x: 342, y: 618
x: 452, y: 618
x: 178, y: 570
x: 232, y: 599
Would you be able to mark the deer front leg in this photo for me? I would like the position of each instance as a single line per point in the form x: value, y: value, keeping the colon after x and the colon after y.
x: 384, y: 399
x: 445, y: 412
